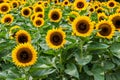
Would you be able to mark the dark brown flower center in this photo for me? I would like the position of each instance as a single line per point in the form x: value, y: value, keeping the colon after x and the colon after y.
x: 14, y: 5
x: 38, y: 22
x: 22, y: 38
x: 40, y: 15
x: 72, y: 19
x: 56, y: 38
x: 111, y: 4
x: 55, y: 16
x: 80, y: 5
x: 1, y: 1
x: 7, y: 20
x: 116, y: 22
x: 96, y: 7
x: 38, y: 9
x: 105, y: 29
x: 99, y: 11
x: 26, y: 12
x: 4, y: 8
x: 66, y: 3
x: 24, y: 55
x: 82, y: 26
x: 91, y: 9
x: 101, y: 18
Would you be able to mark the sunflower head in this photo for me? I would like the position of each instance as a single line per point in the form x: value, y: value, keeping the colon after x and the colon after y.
x: 82, y: 26
x: 66, y: 3
x: 91, y: 9
x: 24, y: 55
x: 80, y: 4
x: 55, y: 38
x: 14, y: 4
x: 55, y: 15
x: 72, y: 16
x: 4, y: 8
x: 40, y: 14
x: 38, y: 8
x: 32, y: 17
x: 22, y: 36
x: 7, y: 19
x: 111, y: 4
x: 26, y: 11
x: 38, y: 22
x: 99, y: 10
x: 101, y: 16
x: 106, y: 29
x: 115, y: 18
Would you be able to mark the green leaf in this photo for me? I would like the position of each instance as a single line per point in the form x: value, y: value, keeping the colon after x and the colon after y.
x: 83, y: 60
x: 115, y: 49
x: 72, y: 70
x: 97, y: 46
x: 108, y: 65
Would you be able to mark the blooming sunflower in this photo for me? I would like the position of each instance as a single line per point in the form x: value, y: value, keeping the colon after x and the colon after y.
x: 26, y: 11
x: 40, y: 14
x: 115, y: 18
x: 106, y: 29
x: 38, y: 22
x: 99, y: 10
x: 14, y: 4
x: 55, y: 15
x: 7, y: 19
x: 22, y: 36
x: 13, y: 31
x: 80, y: 4
x: 56, y: 38
x: 66, y: 3
x: 91, y: 9
x: 101, y: 16
x: 32, y: 17
x: 24, y: 55
x: 38, y: 8
x: 82, y: 26
x: 111, y: 4
x: 72, y: 16
x: 118, y: 10
x: 4, y: 8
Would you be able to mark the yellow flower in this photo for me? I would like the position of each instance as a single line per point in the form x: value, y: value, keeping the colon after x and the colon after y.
x: 106, y: 29
x: 7, y: 19
x: 56, y: 38
x: 4, y: 8
x: 14, y: 4
x: 115, y: 18
x: 66, y: 3
x: 40, y: 14
x: 99, y: 10
x: 38, y: 8
x: 55, y: 15
x: 24, y: 55
x: 111, y: 4
x: 82, y: 26
x: 11, y: 32
x: 38, y: 22
x: 26, y: 11
x: 101, y: 16
x: 91, y: 9
x: 80, y: 4
x: 22, y: 36
x: 32, y: 17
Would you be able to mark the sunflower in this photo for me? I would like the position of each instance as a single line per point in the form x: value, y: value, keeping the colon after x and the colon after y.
x: 56, y: 38
x: 55, y: 15
x: 91, y: 9
x: 45, y: 4
x: 118, y: 10
x: 40, y: 14
x: 3, y: 1
x: 22, y: 36
x: 106, y: 29
x: 38, y: 8
x: 14, y: 4
x: 13, y: 31
x: 38, y: 22
x: 96, y: 6
x: 24, y: 55
x: 32, y: 17
x: 7, y: 19
x: 39, y: 2
x: 66, y: 3
x: 26, y: 11
x: 80, y: 4
x: 101, y: 16
x: 99, y: 10
x: 111, y: 4
x: 82, y: 26
x: 72, y: 16
x: 4, y: 8
x: 115, y: 18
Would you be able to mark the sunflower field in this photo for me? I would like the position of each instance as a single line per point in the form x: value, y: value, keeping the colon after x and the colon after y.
x: 59, y: 40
